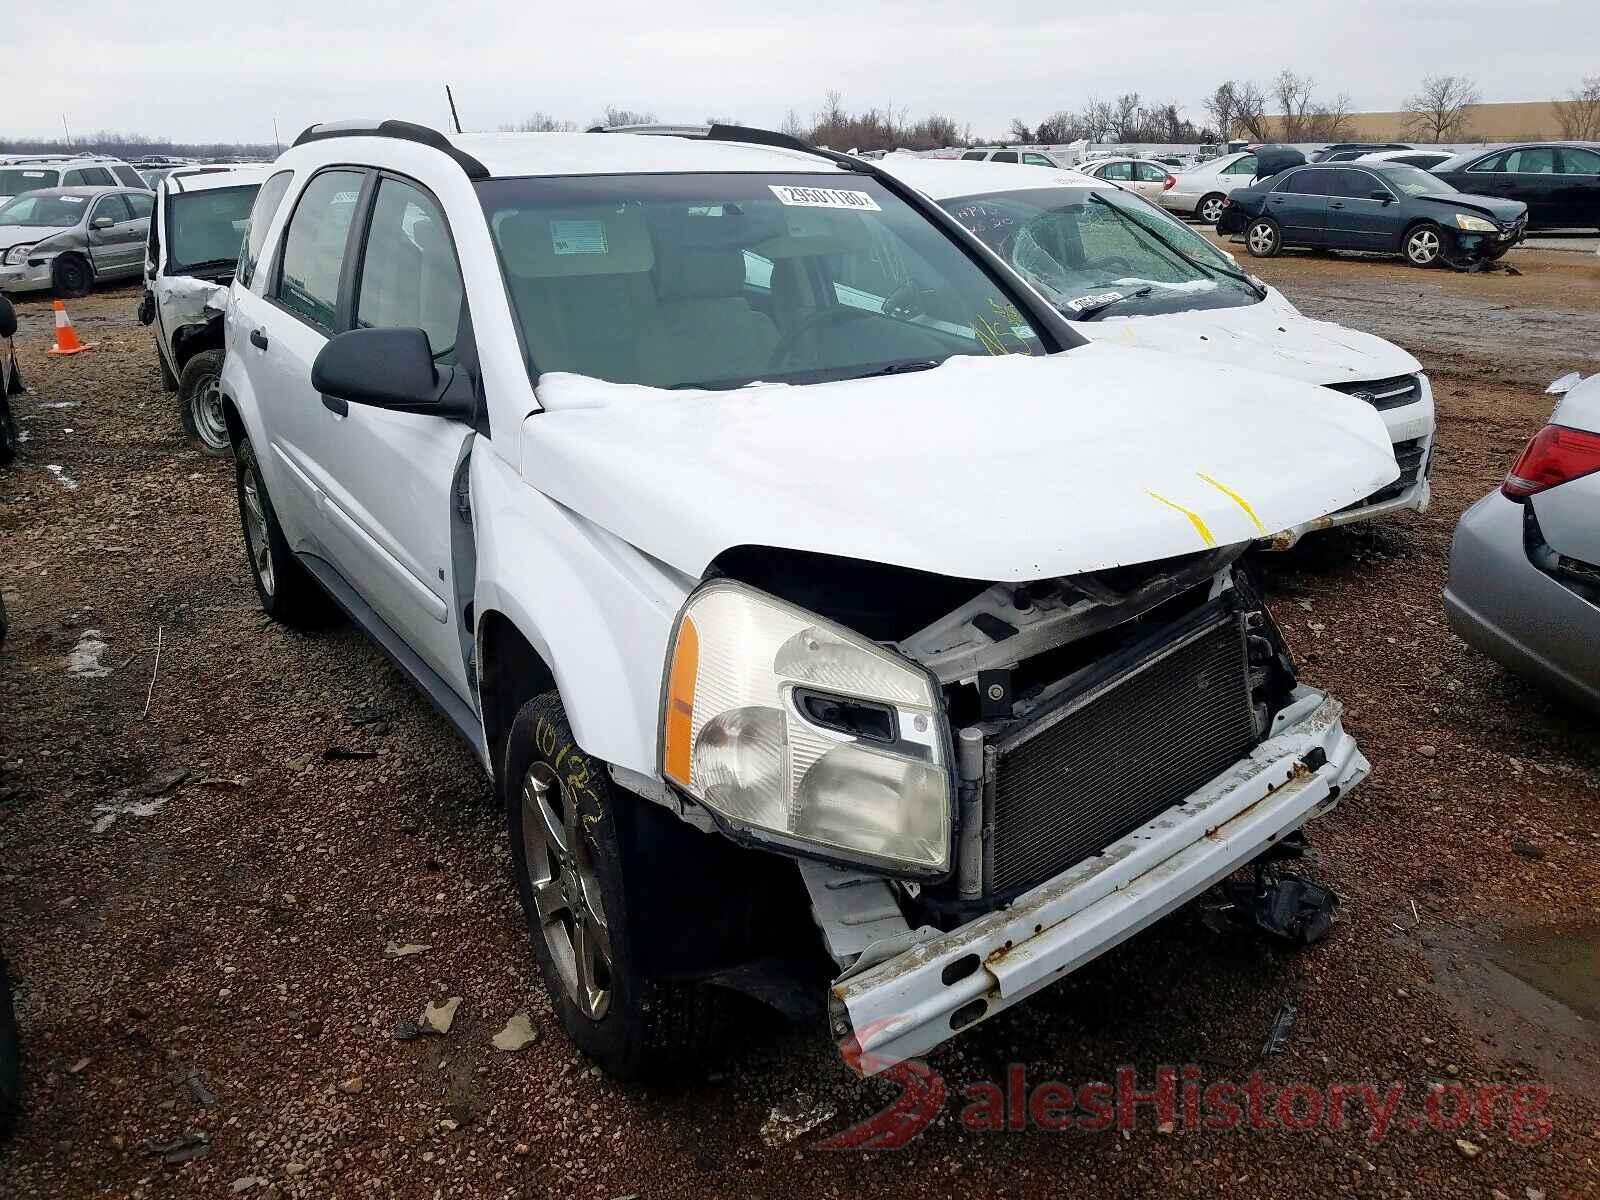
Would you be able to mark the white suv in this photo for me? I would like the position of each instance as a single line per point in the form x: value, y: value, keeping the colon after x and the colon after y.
x: 28, y: 173
x: 808, y: 608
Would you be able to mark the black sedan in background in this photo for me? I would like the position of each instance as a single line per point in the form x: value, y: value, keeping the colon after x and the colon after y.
x: 1558, y: 181
x: 1376, y: 207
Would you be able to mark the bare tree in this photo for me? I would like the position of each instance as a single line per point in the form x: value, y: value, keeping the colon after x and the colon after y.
x: 1222, y: 106
x: 1057, y: 128
x: 540, y: 122
x: 1128, y: 117
x: 1020, y: 131
x: 1437, y: 113
x: 793, y: 126
x: 1098, y: 120
x: 1291, y: 93
x: 1329, y: 122
x: 1579, y: 113
x: 1249, y: 112
x: 624, y: 116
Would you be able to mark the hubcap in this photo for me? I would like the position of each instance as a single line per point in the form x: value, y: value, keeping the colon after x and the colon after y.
x: 206, y: 407
x: 1261, y: 238
x: 566, y: 891
x: 1424, y: 246
x: 255, y: 531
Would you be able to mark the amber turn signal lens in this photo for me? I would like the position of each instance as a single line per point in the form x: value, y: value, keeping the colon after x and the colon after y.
x: 680, y: 703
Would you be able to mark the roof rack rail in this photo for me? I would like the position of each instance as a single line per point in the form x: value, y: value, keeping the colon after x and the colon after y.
x: 740, y: 133
x: 404, y: 130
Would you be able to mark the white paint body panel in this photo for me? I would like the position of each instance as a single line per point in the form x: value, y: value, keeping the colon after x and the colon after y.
x: 1002, y: 469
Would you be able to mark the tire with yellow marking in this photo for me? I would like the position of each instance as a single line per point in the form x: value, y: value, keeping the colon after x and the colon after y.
x: 644, y: 1026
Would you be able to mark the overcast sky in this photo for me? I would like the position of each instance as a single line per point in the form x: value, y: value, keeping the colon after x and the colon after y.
x: 197, y: 71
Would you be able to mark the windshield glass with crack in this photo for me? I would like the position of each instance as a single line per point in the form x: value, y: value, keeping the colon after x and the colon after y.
x: 207, y: 228
x: 720, y: 280
x: 1094, y: 250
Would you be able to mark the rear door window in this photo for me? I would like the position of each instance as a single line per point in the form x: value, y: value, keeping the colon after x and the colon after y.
x: 1037, y: 160
x: 1005, y: 156
x: 1122, y: 172
x: 1305, y: 183
x: 974, y: 154
x: 1536, y: 160
x: 1575, y: 161
x: 314, y: 248
x: 1150, y: 173
x: 88, y: 177
x: 128, y: 176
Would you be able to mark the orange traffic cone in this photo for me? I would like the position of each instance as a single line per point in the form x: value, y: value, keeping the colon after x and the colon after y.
x: 66, y: 336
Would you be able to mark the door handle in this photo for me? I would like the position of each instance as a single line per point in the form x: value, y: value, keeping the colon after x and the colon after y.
x: 258, y: 339
x: 1336, y: 204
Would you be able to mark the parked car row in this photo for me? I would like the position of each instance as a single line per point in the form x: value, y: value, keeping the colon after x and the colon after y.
x: 1559, y: 183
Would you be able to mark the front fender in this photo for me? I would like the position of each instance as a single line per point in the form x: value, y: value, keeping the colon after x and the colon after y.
x: 594, y: 608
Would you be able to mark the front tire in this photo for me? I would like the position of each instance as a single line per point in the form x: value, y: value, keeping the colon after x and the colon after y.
x: 9, y: 438
x: 1209, y: 210
x: 287, y: 592
x: 577, y: 873
x: 1423, y: 245
x: 1263, y: 238
x: 72, y: 276
x: 200, y: 402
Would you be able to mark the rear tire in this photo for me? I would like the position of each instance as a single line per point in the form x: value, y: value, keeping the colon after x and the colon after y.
x: 72, y: 277
x: 200, y: 403
x: 10, y: 1059
x: 578, y: 875
x: 288, y: 593
x: 1209, y: 210
x: 1423, y: 245
x: 8, y: 433
x: 1263, y: 238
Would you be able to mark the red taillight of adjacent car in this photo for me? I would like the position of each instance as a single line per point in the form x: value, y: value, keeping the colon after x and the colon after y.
x: 1556, y: 455
x: 1171, y: 182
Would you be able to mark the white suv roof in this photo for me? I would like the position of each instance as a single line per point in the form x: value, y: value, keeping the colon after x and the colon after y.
x: 943, y: 178
x: 205, y: 179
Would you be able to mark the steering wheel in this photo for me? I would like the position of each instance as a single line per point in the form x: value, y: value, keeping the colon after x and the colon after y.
x: 835, y: 314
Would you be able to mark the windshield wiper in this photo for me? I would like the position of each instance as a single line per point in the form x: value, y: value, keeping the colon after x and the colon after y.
x: 1214, y: 267
x: 900, y: 368
x: 1089, y: 307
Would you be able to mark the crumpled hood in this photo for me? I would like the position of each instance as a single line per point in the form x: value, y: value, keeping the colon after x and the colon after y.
x: 1272, y: 336
x: 1495, y: 207
x: 1004, y: 469
x: 16, y: 235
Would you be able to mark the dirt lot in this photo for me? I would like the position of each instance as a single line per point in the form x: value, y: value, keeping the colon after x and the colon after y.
x: 198, y: 899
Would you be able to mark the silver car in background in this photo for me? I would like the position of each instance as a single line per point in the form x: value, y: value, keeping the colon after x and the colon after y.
x: 1524, y: 583
x: 71, y: 238
x: 1200, y: 191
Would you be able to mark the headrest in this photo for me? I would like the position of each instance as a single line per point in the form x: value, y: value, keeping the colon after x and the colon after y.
x: 555, y: 243
x: 695, y: 274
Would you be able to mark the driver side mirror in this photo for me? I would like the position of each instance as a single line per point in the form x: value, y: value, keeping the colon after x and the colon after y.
x: 393, y: 369
x: 102, y: 223
x: 1384, y: 196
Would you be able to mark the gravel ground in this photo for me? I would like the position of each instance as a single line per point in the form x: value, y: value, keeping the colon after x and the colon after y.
x: 198, y: 898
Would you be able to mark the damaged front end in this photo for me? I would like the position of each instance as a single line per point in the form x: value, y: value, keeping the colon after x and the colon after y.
x: 1122, y: 740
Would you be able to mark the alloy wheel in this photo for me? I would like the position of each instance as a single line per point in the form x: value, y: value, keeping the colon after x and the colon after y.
x: 255, y: 531
x: 1211, y: 210
x: 1423, y: 246
x: 566, y: 890
x: 1262, y: 239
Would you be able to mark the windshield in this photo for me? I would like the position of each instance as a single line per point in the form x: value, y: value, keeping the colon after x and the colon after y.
x: 1414, y: 181
x: 722, y: 280
x: 16, y: 180
x: 206, y: 228
x: 46, y: 211
x: 1089, y: 248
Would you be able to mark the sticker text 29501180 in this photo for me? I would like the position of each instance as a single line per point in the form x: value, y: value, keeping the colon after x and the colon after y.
x: 814, y: 197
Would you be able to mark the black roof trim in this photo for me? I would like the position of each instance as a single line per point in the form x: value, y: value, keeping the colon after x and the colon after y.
x: 405, y: 130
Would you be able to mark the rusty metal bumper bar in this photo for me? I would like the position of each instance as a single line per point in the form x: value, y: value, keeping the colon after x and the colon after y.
x: 905, y: 1005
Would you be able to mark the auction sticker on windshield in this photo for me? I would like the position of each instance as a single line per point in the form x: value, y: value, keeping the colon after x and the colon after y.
x: 811, y: 197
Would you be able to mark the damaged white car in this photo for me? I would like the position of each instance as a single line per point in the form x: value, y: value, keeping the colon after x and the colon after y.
x: 189, y: 260
x: 1127, y: 273
x: 839, y: 626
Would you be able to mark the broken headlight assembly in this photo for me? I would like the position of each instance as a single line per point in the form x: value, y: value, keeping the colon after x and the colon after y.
x: 806, y: 736
x: 17, y: 255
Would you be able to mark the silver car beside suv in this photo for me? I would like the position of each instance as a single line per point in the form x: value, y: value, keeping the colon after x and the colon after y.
x: 71, y: 238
